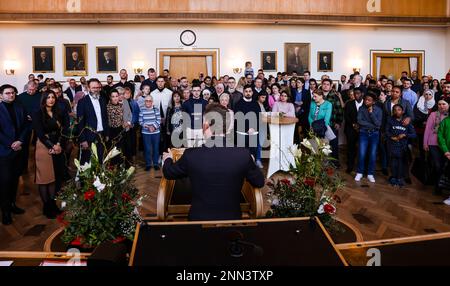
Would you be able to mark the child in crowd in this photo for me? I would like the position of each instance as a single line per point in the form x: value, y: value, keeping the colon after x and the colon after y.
x: 249, y: 69
x: 398, y: 136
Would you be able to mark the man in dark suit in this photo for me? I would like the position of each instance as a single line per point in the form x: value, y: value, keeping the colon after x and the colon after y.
x: 107, y: 62
x: 351, y: 128
x: 295, y: 62
x: 247, y: 130
x: 324, y: 63
x: 72, y: 89
x: 43, y: 62
x: 216, y: 184
x: 93, y: 121
x: 13, y: 132
x: 75, y: 63
x: 269, y: 64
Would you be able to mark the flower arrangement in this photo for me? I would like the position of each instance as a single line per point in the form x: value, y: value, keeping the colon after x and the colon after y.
x: 100, y: 204
x: 309, y: 189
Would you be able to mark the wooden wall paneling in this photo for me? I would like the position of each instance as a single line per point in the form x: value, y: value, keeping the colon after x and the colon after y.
x: 418, y: 8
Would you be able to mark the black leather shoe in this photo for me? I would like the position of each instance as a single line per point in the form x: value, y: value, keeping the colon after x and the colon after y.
x: 16, y: 210
x: 6, y: 218
x: 156, y: 168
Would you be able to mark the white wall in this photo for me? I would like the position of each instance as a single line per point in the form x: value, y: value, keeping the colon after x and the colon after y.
x: 236, y: 42
x: 448, y: 48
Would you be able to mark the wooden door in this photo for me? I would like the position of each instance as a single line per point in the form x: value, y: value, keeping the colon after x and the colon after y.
x: 391, y: 66
x: 188, y: 66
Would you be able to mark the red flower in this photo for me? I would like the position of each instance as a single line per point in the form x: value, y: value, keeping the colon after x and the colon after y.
x: 285, y: 182
x: 329, y: 209
x: 310, y: 182
x: 89, y: 195
x: 60, y: 219
x: 111, y: 167
x: 77, y: 241
x: 126, y: 197
x: 330, y: 172
x: 119, y: 239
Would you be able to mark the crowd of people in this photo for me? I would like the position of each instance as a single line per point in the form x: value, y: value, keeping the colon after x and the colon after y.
x: 394, y: 121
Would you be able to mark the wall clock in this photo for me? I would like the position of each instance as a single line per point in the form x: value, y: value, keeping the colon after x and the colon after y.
x: 188, y: 37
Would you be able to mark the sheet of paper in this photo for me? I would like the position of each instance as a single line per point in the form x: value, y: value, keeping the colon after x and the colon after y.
x: 6, y: 263
x: 49, y: 263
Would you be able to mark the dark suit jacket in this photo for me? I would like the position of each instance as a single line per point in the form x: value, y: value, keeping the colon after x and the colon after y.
x: 104, y: 66
x: 7, y: 131
x: 70, y: 94
x: 75, y: 65
x: 324, y: 66
x: 87, y: 118
x: 217, y: 175
x: 43, y: 66
x: 351, y: 117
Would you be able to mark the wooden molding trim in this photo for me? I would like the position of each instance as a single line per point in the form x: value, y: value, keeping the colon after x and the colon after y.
x: 131, y: 18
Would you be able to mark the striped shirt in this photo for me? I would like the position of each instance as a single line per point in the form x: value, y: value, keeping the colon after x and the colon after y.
x: 149, y: 117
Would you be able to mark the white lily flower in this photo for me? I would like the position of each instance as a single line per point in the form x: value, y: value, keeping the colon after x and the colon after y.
x: 130, y: 171
x: 295, y: 151
x: 98, y: 185
x: 77, y: 163
x: 327, y: 150
x: 113, y: 153
x: 94, y: 150
x: 308, y: 145
x: 85, y: 167
x: 321, y: 209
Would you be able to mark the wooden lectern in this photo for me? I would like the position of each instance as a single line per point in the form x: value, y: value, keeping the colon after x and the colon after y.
x: 174, y: 198
x: 281, y: 138
x: 266, y: 242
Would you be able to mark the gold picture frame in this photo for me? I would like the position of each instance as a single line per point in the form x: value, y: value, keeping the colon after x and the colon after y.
x: 273, y: 64
x: 299, y: 63
x: 323, y: 66
x: 75, y: 66
x: 47, y: 65
x: 103, y: 65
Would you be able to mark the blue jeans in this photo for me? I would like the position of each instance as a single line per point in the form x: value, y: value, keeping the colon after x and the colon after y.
x: 151, y: 149
x: 368, y: 143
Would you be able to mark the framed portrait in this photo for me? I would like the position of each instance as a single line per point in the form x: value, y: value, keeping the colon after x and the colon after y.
x: 297, y: 57
x: 107, y: 60
x: 75, y: 60
x: 269, y: 60
x: 44, y: 59
x: 324, y: 61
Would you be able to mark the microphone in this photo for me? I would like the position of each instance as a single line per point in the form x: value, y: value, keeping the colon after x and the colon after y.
x: 237, y: 245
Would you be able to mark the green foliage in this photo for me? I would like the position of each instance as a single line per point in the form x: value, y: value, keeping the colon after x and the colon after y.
x: 101, y: 203
x: 309, y: 189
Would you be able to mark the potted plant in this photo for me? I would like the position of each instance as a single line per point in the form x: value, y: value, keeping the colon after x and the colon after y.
x: 309, y: 188
x: 100, y: 204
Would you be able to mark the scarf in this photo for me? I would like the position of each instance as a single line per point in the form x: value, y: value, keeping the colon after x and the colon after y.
x: 423, y: 106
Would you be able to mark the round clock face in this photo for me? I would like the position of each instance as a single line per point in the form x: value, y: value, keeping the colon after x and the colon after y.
x: 188, y: 38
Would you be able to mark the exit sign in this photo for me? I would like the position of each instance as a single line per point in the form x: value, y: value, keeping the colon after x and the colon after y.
x: 397, y: 50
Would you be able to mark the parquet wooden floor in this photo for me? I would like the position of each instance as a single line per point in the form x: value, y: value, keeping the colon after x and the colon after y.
x: 377, y: 210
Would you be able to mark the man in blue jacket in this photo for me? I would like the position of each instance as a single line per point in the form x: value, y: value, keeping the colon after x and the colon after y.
x: 370, y: 117
x: 13, y: 133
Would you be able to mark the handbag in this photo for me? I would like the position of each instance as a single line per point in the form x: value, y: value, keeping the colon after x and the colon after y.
x: 319, y: 127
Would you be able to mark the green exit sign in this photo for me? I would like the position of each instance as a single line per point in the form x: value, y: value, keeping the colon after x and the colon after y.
x: 397, y: 50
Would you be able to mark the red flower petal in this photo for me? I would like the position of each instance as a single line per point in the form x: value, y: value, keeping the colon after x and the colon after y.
x: 119, y: 239
x: 329, y: 209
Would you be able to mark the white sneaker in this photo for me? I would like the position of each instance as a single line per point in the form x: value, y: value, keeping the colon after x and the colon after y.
x: 358, y: 177
x: 447, y: 202
x: 259, y: 164
x: 371, y: 178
